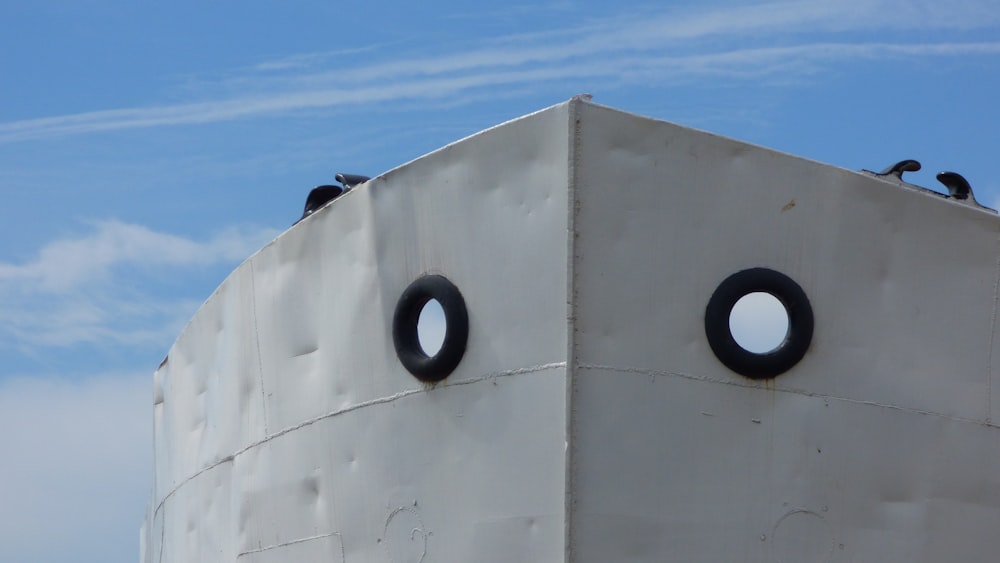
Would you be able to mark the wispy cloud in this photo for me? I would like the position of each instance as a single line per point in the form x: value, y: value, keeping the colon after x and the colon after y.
x: 741, y: 41
x: 66, y: 264
x: 86, y: 289
x: 308, y: 60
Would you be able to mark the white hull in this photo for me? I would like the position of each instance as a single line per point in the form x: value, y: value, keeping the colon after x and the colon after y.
x: 589, y: 419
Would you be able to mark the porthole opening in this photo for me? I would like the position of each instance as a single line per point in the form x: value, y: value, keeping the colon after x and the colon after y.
x: 431, y: 327
x: 759, y: 322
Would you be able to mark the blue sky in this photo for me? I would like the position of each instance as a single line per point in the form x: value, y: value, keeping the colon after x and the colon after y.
x: 146, y: 150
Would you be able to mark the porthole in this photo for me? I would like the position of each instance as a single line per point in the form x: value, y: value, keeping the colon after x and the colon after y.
x: 406, y: 328
x: 780, y: 313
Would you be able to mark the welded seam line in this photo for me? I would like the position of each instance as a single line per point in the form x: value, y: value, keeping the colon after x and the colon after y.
x: 287, y: 543
x: 574, y: 129
x: 163, y: 534
x: 256, y: 336
x: 787, y: 390
x: 351, y: 408
x: 993, y: 332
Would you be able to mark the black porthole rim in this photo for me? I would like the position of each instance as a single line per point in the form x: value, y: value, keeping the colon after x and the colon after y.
x: 800, y: 323
x: 407, y: 316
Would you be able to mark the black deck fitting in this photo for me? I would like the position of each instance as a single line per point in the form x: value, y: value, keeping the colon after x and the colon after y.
x: 958, y: 186
x: 900, y: 167
x: 321, y: 195
x: 318, y: 197
x: 349, y: 181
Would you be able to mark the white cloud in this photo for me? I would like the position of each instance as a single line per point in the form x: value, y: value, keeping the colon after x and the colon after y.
x: 68, y: 263
x: 665, y: 45
x: 306, y: 60
x: 99, y: 287
x: 107, y: 319
x: 77, y: 467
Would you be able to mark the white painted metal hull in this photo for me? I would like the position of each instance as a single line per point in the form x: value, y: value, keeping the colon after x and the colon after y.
x: 589, y: 419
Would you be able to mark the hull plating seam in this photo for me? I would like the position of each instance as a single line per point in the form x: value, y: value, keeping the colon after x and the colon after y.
x: 256, y: 338
x: 293, y: 542
x: 993, y: 330
x: 769, y: 384
x: 357, y: 406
